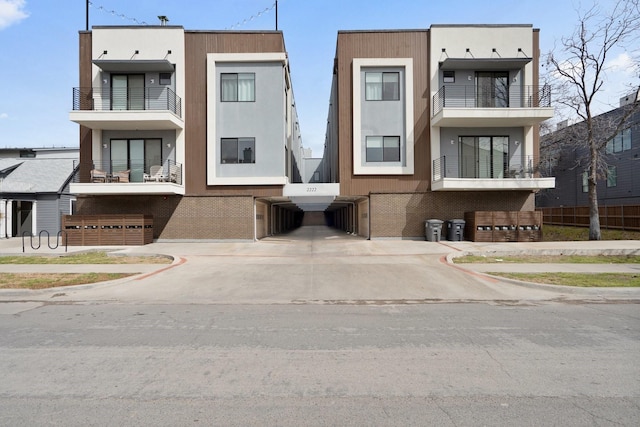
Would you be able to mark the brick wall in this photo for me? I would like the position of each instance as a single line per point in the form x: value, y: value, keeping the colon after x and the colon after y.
x: 178, y: 217
x: 363, y: 218
x: 403, y: 215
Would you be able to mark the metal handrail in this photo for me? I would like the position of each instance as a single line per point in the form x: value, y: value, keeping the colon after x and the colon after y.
x: 135, y: 170
x: 126, y: 99
x: 469, y: 96
x: 452, y: 167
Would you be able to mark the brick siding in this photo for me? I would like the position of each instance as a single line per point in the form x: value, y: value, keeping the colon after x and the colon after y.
x: 178, y: 217
x: 404, y: 215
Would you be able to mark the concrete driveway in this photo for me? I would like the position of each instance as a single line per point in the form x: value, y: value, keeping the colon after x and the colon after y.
x: 311, y: 265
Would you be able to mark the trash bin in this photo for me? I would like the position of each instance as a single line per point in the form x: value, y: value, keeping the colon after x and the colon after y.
x: 455, y: 230
x: 433, y: 230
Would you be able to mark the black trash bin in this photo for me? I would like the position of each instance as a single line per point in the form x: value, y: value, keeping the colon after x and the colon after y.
x: 455, y: 230
x: 433, y: 230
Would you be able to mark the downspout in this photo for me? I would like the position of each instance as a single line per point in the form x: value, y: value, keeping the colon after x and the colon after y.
x: 255, y: 221
x: 369, y: 217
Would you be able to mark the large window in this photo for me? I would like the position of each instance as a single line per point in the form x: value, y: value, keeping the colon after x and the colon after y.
x: 382, y: 86
x: 620, y: 142
x: 612, y: 176
x: 127, y: 92
x: 492, y: 89
x: 483, y: 156
x: 383, y: 149
x: 136, y: 156
x: 238, y: 87
x: 237, y: 150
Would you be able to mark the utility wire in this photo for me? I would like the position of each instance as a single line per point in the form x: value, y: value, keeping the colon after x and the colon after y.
x: 236, y: 25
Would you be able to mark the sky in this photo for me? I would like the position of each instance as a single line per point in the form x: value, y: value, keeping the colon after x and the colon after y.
x: 39, y: 47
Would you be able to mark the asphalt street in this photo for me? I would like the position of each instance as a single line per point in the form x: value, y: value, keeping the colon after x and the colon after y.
x: 320, y: 328
x: 463, y: 364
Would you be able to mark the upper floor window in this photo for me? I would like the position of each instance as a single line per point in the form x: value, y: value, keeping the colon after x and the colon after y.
x: 165, y: 78
x: 237, y: 150
x: 383, y: 149
x: 620, y: 142
x: 382, y: 86
x: 238, y: 87
x: 612, y: 176
x: 585, y: 181
x: 449, y: 76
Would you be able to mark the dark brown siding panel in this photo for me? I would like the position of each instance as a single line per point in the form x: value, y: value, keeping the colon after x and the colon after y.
x: 85, y: 81
x: 536, y: 80
x: 402, y: 44
x: 197, y: 45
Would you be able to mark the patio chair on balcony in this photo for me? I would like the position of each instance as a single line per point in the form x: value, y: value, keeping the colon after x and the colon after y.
x: 98, y: 175
x: 122, y: 176
x: 156, y: 174
x: 174, y: 170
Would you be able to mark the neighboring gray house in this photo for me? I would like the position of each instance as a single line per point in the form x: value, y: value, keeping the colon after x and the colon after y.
x: 569, y: 163
x: 34, y: 193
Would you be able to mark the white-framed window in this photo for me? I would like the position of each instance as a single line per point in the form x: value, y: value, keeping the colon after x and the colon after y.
x: 382, y: 148
x: 382, y: 118
x: 612, y: 176
x: 585, y: 182
x: 237, y: 150
x: 238, y: 87
x: 382, y: 86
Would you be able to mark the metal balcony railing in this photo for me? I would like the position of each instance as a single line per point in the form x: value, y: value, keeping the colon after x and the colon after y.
x: 491, y: 97
x: 128, y: 171
x: 473, y: 168
x: 126, y: 99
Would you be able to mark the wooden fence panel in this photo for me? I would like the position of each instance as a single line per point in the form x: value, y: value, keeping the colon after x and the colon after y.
x: 618, y: 217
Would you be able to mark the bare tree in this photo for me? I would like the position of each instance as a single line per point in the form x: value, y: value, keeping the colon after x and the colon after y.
x: 579, y: 67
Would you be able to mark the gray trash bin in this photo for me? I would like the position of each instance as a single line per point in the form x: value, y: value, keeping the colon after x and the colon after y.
x: 433, y: 230
x: 455, y: 230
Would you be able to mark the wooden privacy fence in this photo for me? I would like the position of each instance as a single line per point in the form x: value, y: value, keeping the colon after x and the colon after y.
x: 99, y: 230
x: 616, y: 217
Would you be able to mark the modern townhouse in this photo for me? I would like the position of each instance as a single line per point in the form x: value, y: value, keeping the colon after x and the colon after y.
x: 199, y: 129
x: 435, y: 123
x: 195, y: 128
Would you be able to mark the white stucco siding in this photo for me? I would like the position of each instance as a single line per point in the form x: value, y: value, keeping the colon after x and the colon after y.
x: 481, y: 40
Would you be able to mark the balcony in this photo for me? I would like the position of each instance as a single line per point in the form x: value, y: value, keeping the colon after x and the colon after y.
x: 477, y: 106
x: 128, y: 177
x: 452, y: 173
x: 154, y: 108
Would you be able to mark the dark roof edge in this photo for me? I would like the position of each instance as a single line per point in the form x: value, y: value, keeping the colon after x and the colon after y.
x: 236, y: 31
x: 421, y: 30
x: 137, y: 27
x: 479, y: 25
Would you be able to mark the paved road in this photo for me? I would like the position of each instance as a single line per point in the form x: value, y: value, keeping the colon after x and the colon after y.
x: 291, y: 365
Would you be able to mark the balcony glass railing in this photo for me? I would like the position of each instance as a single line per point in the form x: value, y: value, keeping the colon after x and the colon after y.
x: 129, y: 171
x: 491, y: 97
x: 126, y: 99
x: 487, y: 168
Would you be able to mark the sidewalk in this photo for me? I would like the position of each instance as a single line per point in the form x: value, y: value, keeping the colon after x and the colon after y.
x: 321, y: 265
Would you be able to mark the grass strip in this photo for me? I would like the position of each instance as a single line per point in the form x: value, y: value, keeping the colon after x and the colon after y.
x: 583, y: 280
x: 53, y: 280
x: 558, y: 233
x: 84, y: 258
x: 550, y: 259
